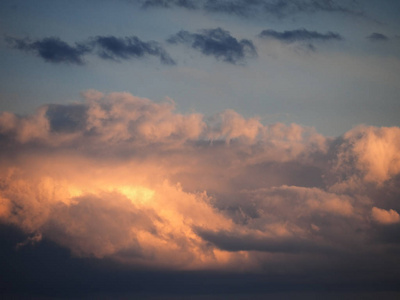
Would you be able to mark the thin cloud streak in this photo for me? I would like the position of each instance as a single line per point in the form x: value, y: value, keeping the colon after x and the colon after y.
x: 251, y: 8
x: 290, y: 36
x: 377, y: 37
x: 301, y: 36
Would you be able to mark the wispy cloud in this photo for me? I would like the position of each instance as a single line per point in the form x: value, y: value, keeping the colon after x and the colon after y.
x: 189, y: 4
x: 377, y: 37
x: 218, y: 43
x: 250, y: 8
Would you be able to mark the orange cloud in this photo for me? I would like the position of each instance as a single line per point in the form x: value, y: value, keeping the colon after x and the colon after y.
x: 385, y: 216
x: 132, y: 180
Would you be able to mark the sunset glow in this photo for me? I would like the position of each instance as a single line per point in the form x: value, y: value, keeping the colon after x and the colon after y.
x: 207, y: 149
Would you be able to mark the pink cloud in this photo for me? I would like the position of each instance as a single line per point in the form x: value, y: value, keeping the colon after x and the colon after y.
x: 126, y: 178
x: 385, y: 216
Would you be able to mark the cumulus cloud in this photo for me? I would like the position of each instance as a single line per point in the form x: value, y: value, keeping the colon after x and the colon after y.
x: 114, y: 48
x: 369, y: 154
x: 218, y: 43
x: 131, y: 180
x: 385, y: 217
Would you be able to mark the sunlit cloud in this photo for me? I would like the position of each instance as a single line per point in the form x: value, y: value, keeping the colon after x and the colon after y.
x: 131, y: 180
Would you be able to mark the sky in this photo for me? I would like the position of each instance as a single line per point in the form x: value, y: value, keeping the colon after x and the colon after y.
x: 181, y: 149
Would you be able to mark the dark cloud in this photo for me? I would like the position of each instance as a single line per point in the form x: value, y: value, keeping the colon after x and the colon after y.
x: 52, y: 49
x: 240, y: 8
x: 299, y: 35
x: 108, y: 47
x: 377, y: 37
x: 231, y: 241
x: 249, y: 8
x: 302, y: 36
x: 66, y: 118
x: 218, y: 43
x: 288, y: 7
x: 115, y: 48
x: 189, y: 4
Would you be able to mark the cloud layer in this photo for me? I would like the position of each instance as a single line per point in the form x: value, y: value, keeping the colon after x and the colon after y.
x: 251, y: 8
x: 131, y: 180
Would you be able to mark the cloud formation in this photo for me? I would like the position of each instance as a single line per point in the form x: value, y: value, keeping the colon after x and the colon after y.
x: 189, y: 4
x: 377, y: 37
x: 300, y: 35
x: 114, y: 48
x: 218, y: 43
x: 55, y: 50
x: 251, y: 8
x: 297, y: 35
x: 127, y: 179
x: 52, y: 49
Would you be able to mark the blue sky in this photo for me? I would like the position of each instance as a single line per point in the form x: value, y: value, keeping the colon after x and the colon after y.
x: 333, y: 86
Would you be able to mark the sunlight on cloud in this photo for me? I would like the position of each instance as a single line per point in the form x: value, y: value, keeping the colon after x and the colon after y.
x: 125, y: 178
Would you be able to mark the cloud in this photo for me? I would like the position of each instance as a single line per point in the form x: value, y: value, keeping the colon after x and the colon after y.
x: 251, y: 8
x: 55, y: 50
x: 385, y: 217
x: 218, y: 43
x: 169, y: 3
x: 130, y: 181
x: 114, y: 48
x: 372, y: 154
x: 377, y: 37
x: 300, y: 35
x: 52, y: 49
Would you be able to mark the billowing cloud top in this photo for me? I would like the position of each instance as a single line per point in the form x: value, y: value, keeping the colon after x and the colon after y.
x: 131, y: 180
